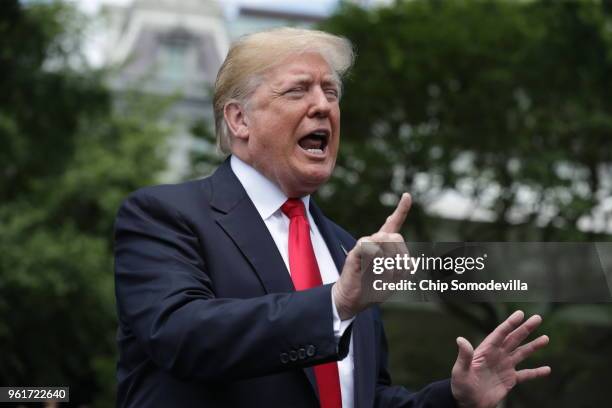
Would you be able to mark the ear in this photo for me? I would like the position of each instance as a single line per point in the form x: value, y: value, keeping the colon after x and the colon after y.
x: 236, y: 120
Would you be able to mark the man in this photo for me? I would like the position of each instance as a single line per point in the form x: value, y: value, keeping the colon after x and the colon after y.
x: 235, y: 290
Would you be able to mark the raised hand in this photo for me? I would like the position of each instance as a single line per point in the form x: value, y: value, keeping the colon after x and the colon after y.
x: 483, y: 377
x: 348, y: 292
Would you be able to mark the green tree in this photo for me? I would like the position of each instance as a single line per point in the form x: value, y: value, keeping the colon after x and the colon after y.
x: 510, y: 105
x: 67, y: 160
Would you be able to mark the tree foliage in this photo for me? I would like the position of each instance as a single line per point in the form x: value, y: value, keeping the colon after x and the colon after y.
x: 507, y: 103
x: 67, y: 160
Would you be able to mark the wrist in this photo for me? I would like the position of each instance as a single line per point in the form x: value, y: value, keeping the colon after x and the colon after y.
x: 461, y: 400
x: 339, y: 300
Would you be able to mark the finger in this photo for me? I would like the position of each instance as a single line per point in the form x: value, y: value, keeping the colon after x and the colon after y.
x: 392, y: 245
x: 465, y: 355
x: 395, y: 221
x: 514, y: 339
x: 528, y: 349
x: 367, y: 247
x: 500, y: 333
x: 363, y: 249
x: 365, y: 252
x: 532, y: 373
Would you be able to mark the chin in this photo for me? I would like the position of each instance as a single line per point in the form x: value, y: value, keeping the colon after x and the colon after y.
x: 307, y: 178
x: 314, y: 179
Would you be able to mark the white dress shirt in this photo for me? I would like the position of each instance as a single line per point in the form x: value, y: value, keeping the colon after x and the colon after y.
x: 268, y: 199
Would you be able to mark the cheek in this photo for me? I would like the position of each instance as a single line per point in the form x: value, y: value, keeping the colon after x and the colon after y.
x: 276, y: 129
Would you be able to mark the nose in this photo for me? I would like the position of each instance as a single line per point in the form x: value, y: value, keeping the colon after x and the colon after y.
x: 320, y: 105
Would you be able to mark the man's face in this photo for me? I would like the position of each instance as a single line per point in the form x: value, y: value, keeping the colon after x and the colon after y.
x: 293, y: 122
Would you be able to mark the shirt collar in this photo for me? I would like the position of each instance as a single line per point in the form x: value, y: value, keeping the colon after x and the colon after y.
x: 265, y: 195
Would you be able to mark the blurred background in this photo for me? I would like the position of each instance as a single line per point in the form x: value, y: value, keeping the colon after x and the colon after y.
x: 495, y: 115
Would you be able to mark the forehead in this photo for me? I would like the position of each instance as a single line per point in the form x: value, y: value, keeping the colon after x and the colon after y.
x: 305, y: 66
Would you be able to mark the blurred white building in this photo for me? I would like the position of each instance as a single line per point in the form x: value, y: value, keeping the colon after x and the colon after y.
x: 175, y: 48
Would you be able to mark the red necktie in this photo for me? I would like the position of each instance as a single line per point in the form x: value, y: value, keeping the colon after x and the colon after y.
x: 305, y: 275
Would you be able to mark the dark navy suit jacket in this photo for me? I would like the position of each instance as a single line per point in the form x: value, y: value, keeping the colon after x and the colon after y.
x: 208, y: 315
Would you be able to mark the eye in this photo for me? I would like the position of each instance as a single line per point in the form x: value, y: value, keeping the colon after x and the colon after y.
x: 295, y: 90
x: 331, y: 93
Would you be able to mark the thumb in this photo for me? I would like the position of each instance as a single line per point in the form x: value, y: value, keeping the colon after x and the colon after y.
x: 466, y: 353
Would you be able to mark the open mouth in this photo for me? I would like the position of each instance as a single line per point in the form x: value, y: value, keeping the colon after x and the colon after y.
x: 315, y: 142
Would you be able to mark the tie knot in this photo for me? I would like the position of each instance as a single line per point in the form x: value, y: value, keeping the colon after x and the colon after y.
x: 294, y: 207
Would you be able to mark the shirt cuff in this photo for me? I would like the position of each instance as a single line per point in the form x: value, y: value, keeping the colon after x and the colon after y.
x: 339, y: 325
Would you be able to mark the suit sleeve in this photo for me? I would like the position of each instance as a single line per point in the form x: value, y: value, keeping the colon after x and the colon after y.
x: 166, y: 300
x: 435, y: 395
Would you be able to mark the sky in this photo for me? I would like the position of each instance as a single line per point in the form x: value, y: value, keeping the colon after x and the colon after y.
x: 310, y: 6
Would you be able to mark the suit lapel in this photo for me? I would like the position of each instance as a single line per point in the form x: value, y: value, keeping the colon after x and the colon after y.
x: 239, y: 218
x: 331, y: 240
x: 364, y: 361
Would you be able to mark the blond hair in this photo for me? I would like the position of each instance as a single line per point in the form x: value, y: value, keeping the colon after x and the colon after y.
x: 252, y: 55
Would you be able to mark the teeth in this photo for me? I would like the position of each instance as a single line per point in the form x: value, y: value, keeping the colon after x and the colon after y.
x: 315, y: 151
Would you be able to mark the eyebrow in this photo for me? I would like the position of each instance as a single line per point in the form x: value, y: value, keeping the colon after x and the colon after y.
x: 306, y: 79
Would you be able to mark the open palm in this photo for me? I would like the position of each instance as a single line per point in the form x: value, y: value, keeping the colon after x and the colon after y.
x: 481, y: 378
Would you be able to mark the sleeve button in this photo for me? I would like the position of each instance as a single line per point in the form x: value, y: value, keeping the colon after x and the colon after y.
x: 284, y: 358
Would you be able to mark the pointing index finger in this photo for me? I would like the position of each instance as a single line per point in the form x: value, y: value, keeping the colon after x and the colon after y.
x: 394, y: 222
